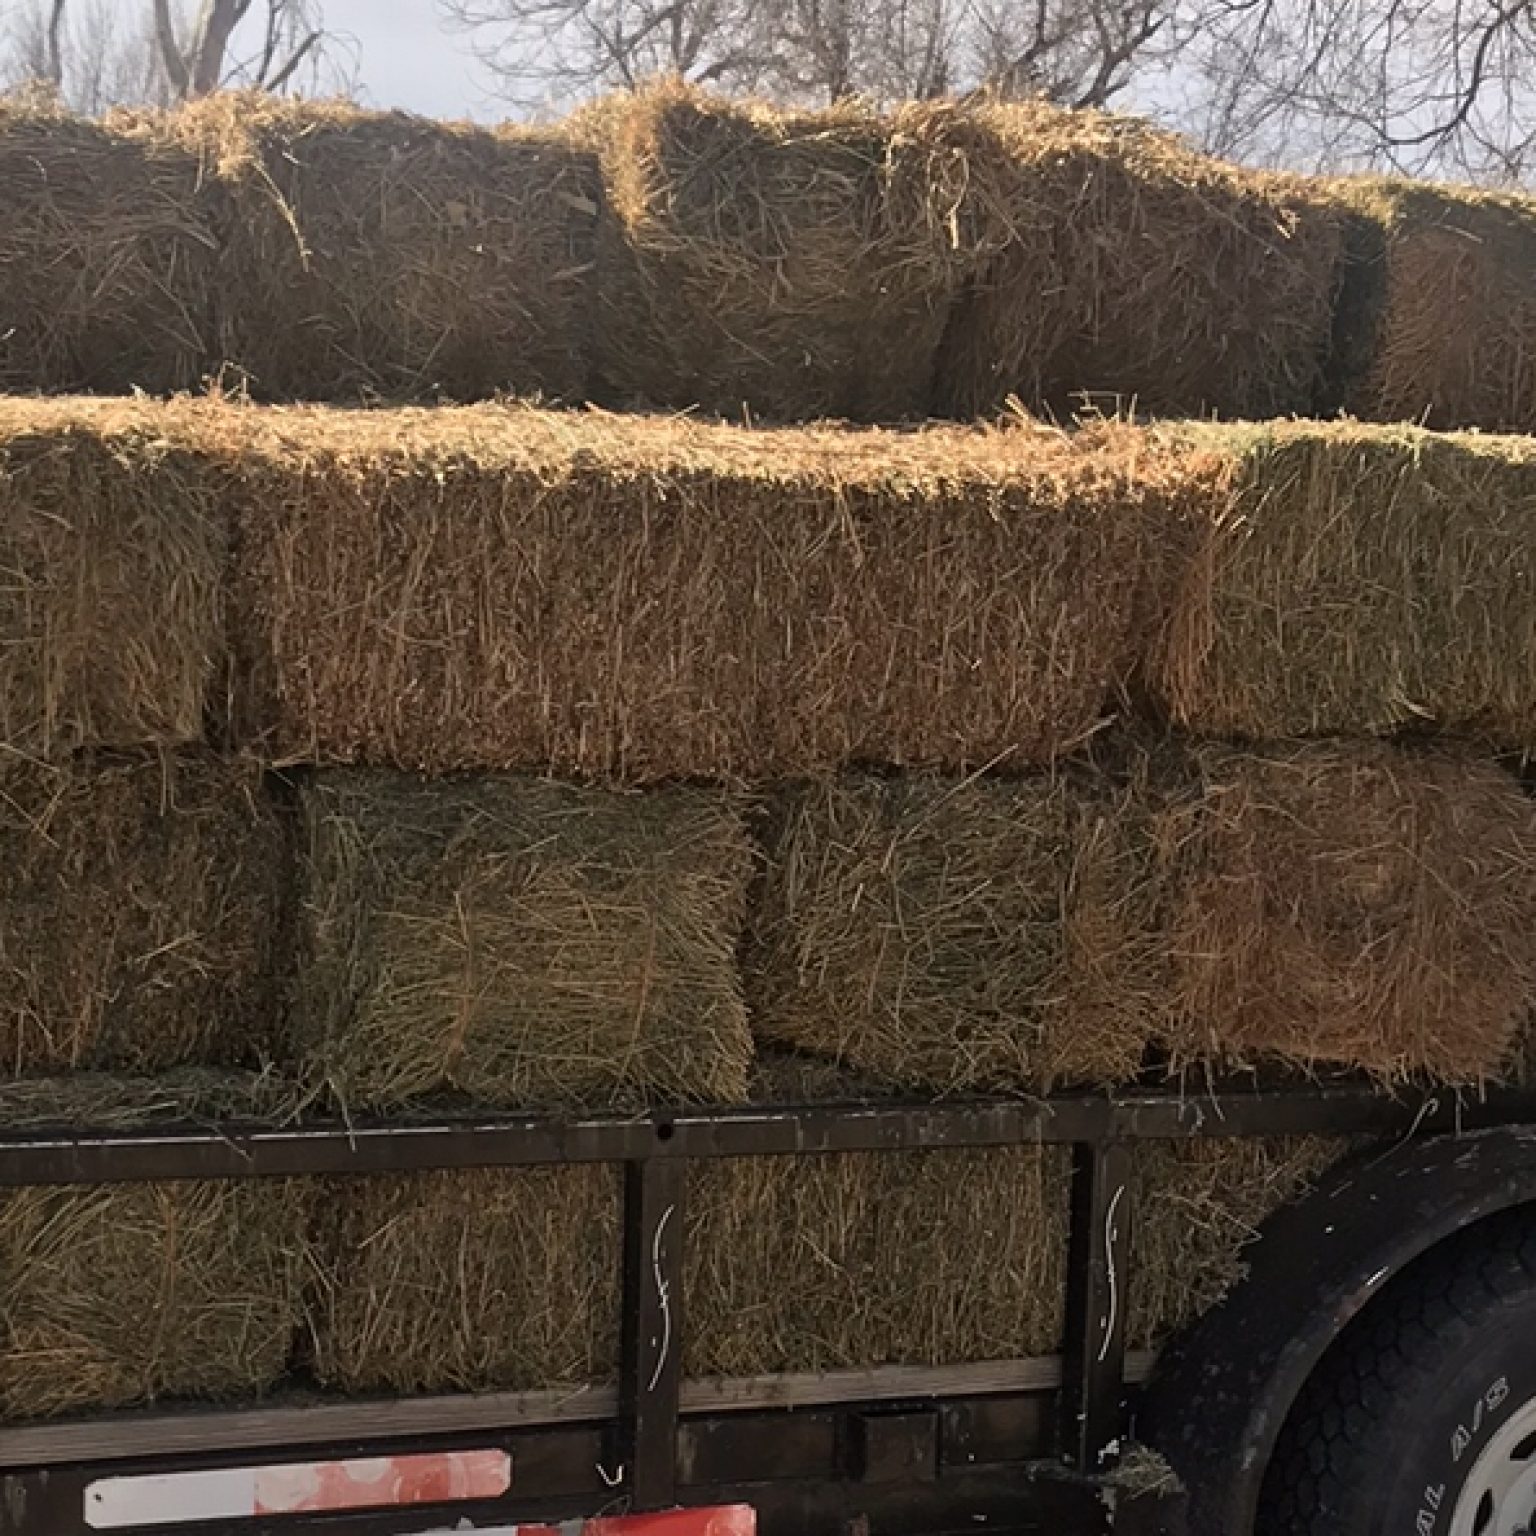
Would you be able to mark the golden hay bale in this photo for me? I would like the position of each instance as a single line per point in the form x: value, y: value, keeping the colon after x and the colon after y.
x: 642, y: 598
x: 1438, y: 312
x: 522, y: 942
x: 865, y: 1259
x: 1133, y: 269
x: 958, y: 934
x: 142, y: 918
x: 109, y: 1101
x: 1357, y: 579
x: 784, y: 264
x: 469, y: 1281
x: 113, y: 550
x: 1351, y: 904
x: 108, y: 252
x: 136, y: 1293
x: 382, y: 255
x: 1195, y: 1207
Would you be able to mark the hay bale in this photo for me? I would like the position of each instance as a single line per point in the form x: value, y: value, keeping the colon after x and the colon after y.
x: 865, y: 1259
x: 142, y: 918
x: 138, y: 1293
x: 958, y: 934
x: 103, y: 1101
x: 469, y: 1281
x: 522, y: 942
x: 378, y: 255
x: 1439, y: 306
x: 1196, y: 1207
x: 112, y: 557
x: 1134, y: 271
x: 1354, y: 904
x: 782, y: 264
x: 108, y: 251
x: 1354, y: 579
x: 646, y: 598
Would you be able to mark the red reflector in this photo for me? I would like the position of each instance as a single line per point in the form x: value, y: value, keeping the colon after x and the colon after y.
x: 723, y: 1520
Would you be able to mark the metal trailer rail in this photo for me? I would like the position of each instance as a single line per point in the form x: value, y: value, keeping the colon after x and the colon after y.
x: 1009, y: 1446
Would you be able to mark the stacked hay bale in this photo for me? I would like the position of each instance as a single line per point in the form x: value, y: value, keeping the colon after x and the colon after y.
x: 377, y: 255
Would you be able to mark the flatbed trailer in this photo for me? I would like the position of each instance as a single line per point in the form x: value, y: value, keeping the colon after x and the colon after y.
x: 1003, y: 1446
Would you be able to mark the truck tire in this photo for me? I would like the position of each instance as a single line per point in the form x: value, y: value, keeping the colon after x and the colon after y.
x: 1421, y: 1421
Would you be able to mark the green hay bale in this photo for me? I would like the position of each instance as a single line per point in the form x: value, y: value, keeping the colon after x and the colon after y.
x: 1197, y: 1205
x: 1355, y: 579
x: 1439, y: 306
x: 1358, y: 905
x: 522, y: 942
x: 784, y: 264
x: 377, y: 255
x: 439, y: 1282
x: 867, y: 1259
x: 108, y: 248
x: 1129, y: 270
x: 644, y: 598
x: 143, y: 918
x: 958, y: 935
x: 112, y: 559
x: 140, y: 1293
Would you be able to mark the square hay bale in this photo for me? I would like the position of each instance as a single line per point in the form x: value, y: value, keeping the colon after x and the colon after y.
x: 1196, y: 1207
x: 1357, y: 905
x: 143, y: 920
x: 108, y: 250
x: 139, y: 1293
x: 1357, y: 579
x: 864, y: 1259
x: 1130, y: 269
x: 644, y: 598
x: 522, y: 942
x: 959, y: 934
x: 379, y: 255
x: 108, y: 1101
x: 778, y: 263
x: 113, y: 554
x: 1438, y: 309
x: 504, y: 1279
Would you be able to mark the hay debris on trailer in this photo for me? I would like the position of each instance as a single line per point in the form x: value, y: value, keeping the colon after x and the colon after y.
x: 113, y: 549
x: 383, y: 256
x: 643, y: 598
x: 1437, y: 315
x: 1128, y: 270
x: 109, y: 250
x: 140, y: 1293
x: 1357, y: 579
x: 522, y: 943
x: 468, y: 1281
x: 143, y: 916
x: 958, y: 934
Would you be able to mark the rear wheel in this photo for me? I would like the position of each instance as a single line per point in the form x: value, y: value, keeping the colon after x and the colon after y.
x: 1421, y: 1421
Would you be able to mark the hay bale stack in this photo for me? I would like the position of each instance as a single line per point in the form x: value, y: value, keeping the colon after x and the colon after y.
x: 1196, y: 1207
x: 1438, y: 310
x: 782, y: 264
x: 1357, y: 579
x: 1136, y: 272
x: 522, y: 942
x: 1356, y: 905
x: 142, y: 917
x: 495, y: 1279
x: 864, y: 1259
x: 113, y: 550
x: 146, y: 1292
x: 108, y: 252
x: 378, y: 255
x: 958, y: 934
x: 643, y: 598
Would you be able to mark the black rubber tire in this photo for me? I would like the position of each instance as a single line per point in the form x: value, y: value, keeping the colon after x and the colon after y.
x: 1388, y: 1429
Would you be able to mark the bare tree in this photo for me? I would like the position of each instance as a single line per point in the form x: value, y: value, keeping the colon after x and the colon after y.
x: 160, y: 53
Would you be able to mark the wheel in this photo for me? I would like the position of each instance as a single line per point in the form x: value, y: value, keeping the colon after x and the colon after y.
x: 1421, y: 1420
